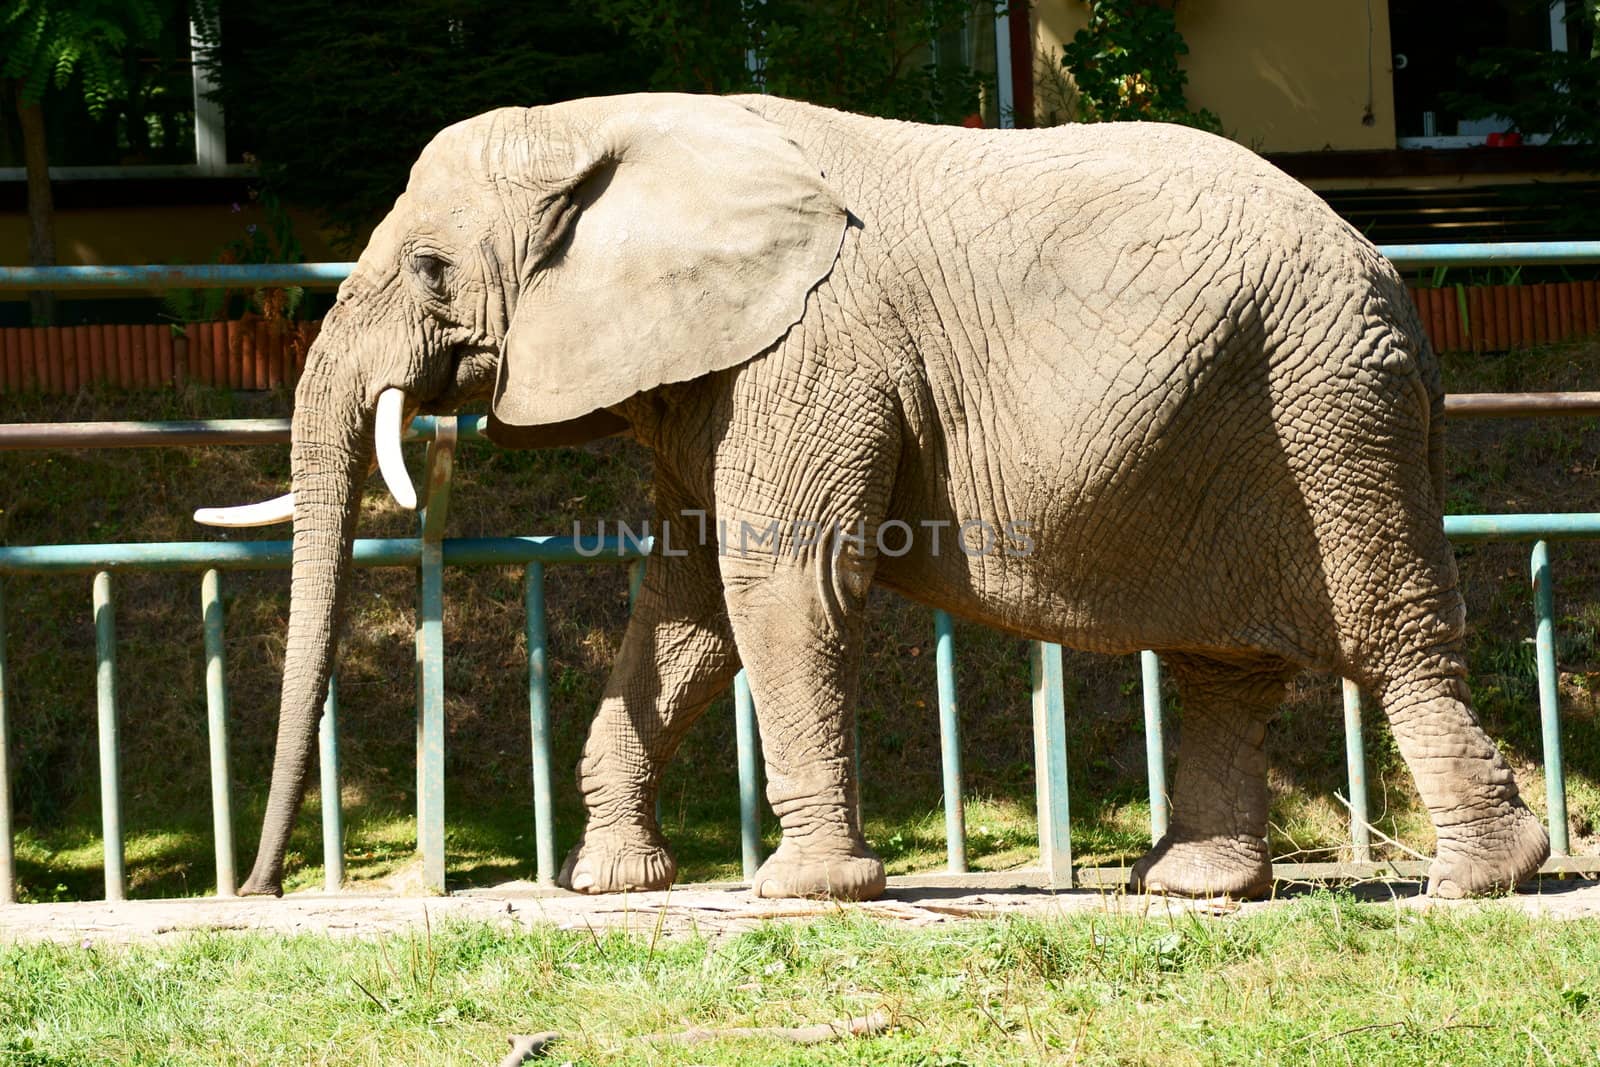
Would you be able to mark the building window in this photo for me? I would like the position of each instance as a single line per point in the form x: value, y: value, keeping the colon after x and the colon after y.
x: 1431, y: 40
x: 165, y: 128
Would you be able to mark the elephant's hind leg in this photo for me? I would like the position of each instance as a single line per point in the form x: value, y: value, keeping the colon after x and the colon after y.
x: 1402, y: 619
x: 677, y: 655
x: 1487, y: 839
x: 1217, y: 841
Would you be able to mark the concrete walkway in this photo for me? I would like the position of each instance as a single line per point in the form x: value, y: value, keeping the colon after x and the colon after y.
x: 708, y: 910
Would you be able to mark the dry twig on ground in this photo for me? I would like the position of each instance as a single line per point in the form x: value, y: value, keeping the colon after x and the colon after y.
x: 525, y: 1047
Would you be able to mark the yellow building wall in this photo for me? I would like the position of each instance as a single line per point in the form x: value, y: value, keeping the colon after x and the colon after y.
x: 1282, y: 75
x: 189, y: 233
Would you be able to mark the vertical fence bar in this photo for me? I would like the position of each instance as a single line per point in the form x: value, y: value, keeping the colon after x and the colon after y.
x: 430, y: 656
x: 430, y: 734
x: 105, y: 650
x: 744, y: 727
x: 422, y: 757
x: 955, y: 816
x: 544, y: 819
x: 8, y: 861
x: 1355, y: 759
x: 1555, y: 781
x: 1155, y: 743
x: 855, y: 766
x: 217, y: 731
x: 635, y: 581
x: 332, y: 797
x: 1050, y: 763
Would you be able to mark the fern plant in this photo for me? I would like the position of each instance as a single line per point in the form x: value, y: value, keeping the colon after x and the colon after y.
x: 44, y: 42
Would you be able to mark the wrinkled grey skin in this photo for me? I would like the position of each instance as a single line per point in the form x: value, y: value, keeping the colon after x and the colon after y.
x: 1207, y: 397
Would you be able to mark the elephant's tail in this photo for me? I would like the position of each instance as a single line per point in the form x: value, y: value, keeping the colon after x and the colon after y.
x: 1435, y: 427
x: 1431, y: 386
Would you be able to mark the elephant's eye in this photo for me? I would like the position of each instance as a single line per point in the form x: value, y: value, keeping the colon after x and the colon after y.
x: 430, y: 270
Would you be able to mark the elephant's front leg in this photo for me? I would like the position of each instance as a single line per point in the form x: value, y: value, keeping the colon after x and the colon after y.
x: 676, y: 656
x: 797, y: 615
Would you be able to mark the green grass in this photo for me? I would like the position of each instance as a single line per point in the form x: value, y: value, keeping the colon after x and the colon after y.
x: 1321, y: 980
x: 143, y: 495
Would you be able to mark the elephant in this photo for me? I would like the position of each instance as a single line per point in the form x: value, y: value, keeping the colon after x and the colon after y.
x: 1151, y: 391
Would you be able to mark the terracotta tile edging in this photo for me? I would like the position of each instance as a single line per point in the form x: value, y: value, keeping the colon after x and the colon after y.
x: 1501, y: 317
x: 251, y: 353
x: 255, y: 353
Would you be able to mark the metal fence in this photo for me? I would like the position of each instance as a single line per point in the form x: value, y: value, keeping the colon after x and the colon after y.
x: 430, y: 552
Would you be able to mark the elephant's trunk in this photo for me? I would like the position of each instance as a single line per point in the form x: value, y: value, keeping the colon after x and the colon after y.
x: 330, y: 458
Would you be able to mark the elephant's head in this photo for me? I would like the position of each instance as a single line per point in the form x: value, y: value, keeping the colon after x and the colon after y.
x: 556, y: 261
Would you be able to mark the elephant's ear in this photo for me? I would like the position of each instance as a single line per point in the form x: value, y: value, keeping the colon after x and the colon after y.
x: 701, y: 229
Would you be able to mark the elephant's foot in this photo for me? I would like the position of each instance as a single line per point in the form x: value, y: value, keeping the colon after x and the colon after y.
x: 1237, y: 867
x: 1478, y: 859
x: 611, y: 861
x: 850, y: 873
x: 261, y: 887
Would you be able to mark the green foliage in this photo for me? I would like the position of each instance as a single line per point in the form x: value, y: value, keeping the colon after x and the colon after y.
x: 1553, y: 93
x: 1125, y: 65
x: 906, y: 61
x: 878, y: 59
x: 336, y: 100
x: 274, y: 242
x: 1545, y: 92
x: 695, y: 45
x: 46, y: 42
x: 113, y: 85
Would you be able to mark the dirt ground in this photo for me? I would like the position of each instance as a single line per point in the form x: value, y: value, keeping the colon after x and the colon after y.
x: 709, y: 910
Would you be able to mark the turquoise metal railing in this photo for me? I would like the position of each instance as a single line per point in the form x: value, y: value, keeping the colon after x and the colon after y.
x: 430, y: 552
x: 427, y: 552
x: 328, y: 275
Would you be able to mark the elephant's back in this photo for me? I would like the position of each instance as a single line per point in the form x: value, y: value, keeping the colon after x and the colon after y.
x: 1121, y: 328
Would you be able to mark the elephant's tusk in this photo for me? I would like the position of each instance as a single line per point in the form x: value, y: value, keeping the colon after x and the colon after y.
x: 391, y: 419
x: 267, y: 512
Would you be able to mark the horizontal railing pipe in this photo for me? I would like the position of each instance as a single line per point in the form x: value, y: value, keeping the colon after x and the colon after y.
x: 1519, y: 405
x: 1531, y: 253
x: 485, y: 551
x: 42, y: 435
x: 328, y: 275
x: 1559, y: 527
x: 177, y: 276
x: 184, y: 434
x: 276, y: 555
